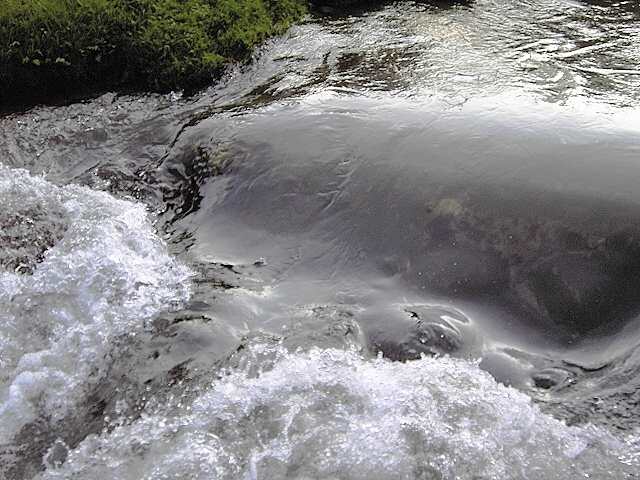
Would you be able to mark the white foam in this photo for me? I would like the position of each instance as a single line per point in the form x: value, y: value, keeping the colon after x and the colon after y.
x: 104, y: 276
x: 331, y: 414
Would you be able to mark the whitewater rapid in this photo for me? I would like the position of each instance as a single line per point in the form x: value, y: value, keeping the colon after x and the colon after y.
x: 103, y: 274
x: 331, y: 414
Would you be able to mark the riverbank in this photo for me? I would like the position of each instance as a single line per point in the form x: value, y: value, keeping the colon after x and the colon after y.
x: 66, y: 49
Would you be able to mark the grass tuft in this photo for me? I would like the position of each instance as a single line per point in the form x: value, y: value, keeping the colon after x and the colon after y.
x: 62, y: 48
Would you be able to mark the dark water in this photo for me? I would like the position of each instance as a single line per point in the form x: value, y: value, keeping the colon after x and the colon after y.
x: 307, y: 270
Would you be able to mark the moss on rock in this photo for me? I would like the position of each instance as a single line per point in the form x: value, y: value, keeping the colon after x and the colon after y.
x: 62, y: 48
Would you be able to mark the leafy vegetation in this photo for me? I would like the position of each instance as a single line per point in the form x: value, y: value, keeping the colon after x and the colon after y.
x: 58, y: 48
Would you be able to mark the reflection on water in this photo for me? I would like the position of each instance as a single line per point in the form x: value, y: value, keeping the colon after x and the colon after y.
x: 407, y: 180
x: 555, y: 50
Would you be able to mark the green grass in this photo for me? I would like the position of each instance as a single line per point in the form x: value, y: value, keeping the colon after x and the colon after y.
x: 62, y: 48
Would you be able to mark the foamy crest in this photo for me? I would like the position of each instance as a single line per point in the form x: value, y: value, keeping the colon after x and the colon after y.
x: 331, y: 414
x: 100, y: 273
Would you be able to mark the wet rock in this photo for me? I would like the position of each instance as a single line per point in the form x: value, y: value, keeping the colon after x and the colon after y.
x: 421, y: 339
x: 552, y: 378
x: 407, y: 332
x: 27, y: 234
x: 57, y: 454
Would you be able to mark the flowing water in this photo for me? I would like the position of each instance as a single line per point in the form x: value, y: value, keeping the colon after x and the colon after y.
x: 404, y: 242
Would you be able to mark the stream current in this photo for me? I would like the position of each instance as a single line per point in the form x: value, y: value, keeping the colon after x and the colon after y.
x: 403, y: 242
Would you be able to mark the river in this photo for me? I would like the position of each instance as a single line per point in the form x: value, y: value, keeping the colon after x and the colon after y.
x: 403, y: 242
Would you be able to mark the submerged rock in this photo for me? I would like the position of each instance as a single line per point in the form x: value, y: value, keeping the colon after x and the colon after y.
x: 27, y: 233
x: 407, y: 332
x: 575, y: 278
x: 552, y: 378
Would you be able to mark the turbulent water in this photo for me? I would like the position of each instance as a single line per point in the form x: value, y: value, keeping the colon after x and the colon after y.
x: 403, y: 242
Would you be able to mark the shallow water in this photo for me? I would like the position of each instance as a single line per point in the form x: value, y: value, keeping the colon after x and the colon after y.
x: 403, y: 242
